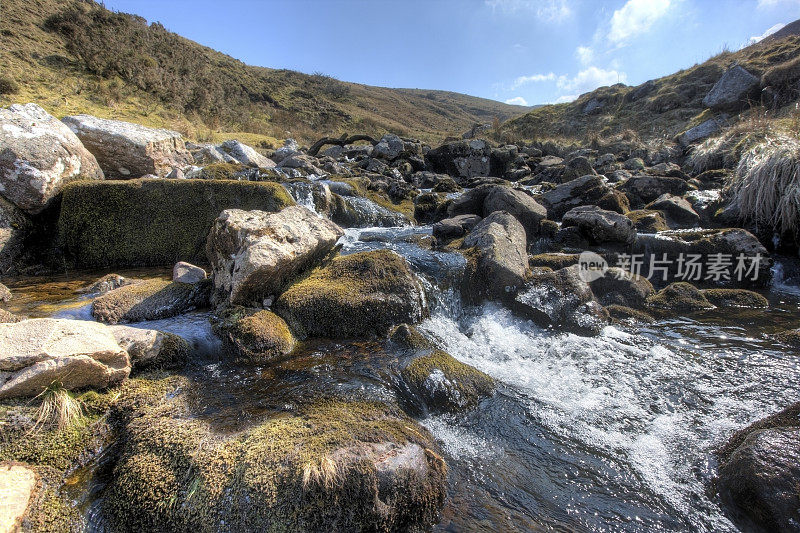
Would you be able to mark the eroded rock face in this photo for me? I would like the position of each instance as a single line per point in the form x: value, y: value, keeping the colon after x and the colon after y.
x: 39, y: 156
x: 35, y: 353
x: 125, y: 150
x: 254, y: 254
x: 758, y: 472
x: 355, y: 296
x: 498, y: 258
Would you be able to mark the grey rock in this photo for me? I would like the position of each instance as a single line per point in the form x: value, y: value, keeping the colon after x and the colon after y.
x: 245, y: 154
x: 184, y: 272
x: 732, y: 90
x: 600, y: 226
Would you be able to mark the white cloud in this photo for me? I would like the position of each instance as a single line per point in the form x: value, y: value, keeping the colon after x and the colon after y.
x: 535, y: 78
x: 566, y: 98
x: 769, y: 4
x: 547, y: 10
x: 590, y: 79
x: 636, y: 17
x: 767, y: 33
x: 584, y: 54
x: 517, y: 100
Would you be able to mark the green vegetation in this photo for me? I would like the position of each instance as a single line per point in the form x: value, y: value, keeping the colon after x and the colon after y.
x: 78, y: 57
x: 254, y: 337
x: 735, y: 298
x: 58, y: 408
x: 677, y: 298
x: 151, y: 222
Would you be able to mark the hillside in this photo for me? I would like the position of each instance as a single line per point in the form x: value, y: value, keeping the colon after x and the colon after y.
x: 77, y: 56
x: 665, y: 107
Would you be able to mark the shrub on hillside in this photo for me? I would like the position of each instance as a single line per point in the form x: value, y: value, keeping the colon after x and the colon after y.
x: 8, y: 86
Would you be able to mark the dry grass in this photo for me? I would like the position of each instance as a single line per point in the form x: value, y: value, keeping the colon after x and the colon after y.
x: 58, y: 409
x: 324, y: 474
x: 766, y: 186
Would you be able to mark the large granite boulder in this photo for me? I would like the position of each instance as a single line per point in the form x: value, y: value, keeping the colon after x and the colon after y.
x: 17, y: 486
x: 76, y: 354
x: 150, y: 348
x: 644, y: 189
x: 586, y: 190
x: 150, y: 300
x: 600, y: 226
x: 126, y: 150
x: 38, y: 156
x: 732, y: 90
x: 553, y: 297
x: 245, y: 154
x: 355, y: 296
x: 519, y: 204
x: 461, y: 159
x: 497, y: 258
x: 254, y: 254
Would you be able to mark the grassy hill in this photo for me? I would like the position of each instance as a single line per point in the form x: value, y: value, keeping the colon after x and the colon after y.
x: 665, y: 107
x: 78, y: 57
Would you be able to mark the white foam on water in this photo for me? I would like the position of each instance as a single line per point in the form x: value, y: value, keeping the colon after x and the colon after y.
x: 458, y: 441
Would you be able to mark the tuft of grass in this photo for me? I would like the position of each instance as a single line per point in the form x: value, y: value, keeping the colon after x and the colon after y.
x: 58, y: 409
x: 324, y: 473
x: 8, y: 85
x: 766, y: 185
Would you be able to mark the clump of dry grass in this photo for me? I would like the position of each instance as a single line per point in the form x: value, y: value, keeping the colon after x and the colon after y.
x: 58, y: 409
x: 326, y: 473
x: 766, y: 185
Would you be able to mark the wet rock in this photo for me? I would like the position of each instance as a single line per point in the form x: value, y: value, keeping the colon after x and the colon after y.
x: 702, y: 131
x: 678, y: 211
x: 290, y: 148
x: 184, y: 272
x: 407, y: 337
x: 496, y: 257
x: 245, y: 155
x: 359, y: 212
x: 355, y: 296
x: 17, y: 485
x: 254, y: 337
x: 790, y: 337
x: 679, y: 297
x: 444, y: 383
x: 645, y: 221
x: 461, y: 159
x: 150, y: 300
x: 577, y: 167
x: 323, y: 464
x: 758, y: 472
x: 732, y: 90
x: 735, y: 298
x: 644, y: 189
x: 150, y: 348
x: 15, y: 226
x: 40, y: 155
x: 588, y: 319
x: 430, y: 207
x: 107, y: 283
x: 125, y: 150
x: 551, y: 298
x: 455, y: 227
x: 600, y: 226
x: 5, y: 294
x: 586, y: 190
x: 518, y: 204
x: 620, y: 287
x: 254, y: 254
x: 628, y: 315
x: 35, y: 353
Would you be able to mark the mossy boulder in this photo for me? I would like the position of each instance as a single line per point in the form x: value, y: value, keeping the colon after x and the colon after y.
x: 150, y: 348
x: 618, y: 286
x: 354, y: 296
x: 735, y: 298
x: 408, y: 337
x: 790, y: 337
x: 148, y: 222
x: 646, y: 221
x: 621, y: 313
x: 677, y: 298
x: 444, y: 383
x: 430, y: 207
x: 150, y: 300
x: 254, y: 336
x: 329, y: 464
x: 554, y: 261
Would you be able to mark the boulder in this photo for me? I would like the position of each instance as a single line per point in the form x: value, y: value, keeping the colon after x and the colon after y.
x: 496, y: 257
x: 678, y: 211
x: 732, y: 90
x: 461, y: 159
x: 184, y: 272
x: 125, y: 150
x: 359, y: 212
x: 679, y: 297
x: 208, y: 154
x: 735, y: 298
x: 586, y: 190
x: 445, y: 384
x: 600, y: 226
x: 644, y: 189
x: 302, y: 162
x: 5, y: 294
x: 553, y: 297
x: 150, y: 348
x: 7, y: 316
x: 74, y: 353
x: 290, y: 148
x: 455, y: 227
x: 107, y: 283
x: 150, y: 300
x: 620, y: 287
x: 253, y: 254
x: 14, y: 228
x: 321, y: 464
x: 430, y: 207
x: 758, y: 471
x: 254, y: 337
x: 577, y: 167
x: 471, y: 202
x: 17, y: 485
x: 245, y: 155
x: 355, y: 296
x: 39, y: 156
x: 519, y: 204
x: 390, y: 147
x: 645, y: 221
x: 702, y: 131
x: 588, y: 319
x: 179, y: 215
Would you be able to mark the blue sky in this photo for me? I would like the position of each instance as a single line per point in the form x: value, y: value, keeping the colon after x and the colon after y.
x: 520, y: 51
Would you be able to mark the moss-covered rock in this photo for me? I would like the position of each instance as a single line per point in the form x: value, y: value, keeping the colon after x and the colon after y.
x: 621, y: 313
x: 445, y: 383
x: 790, y: 337
x: 152, y: 222
x: 329, y: 464
x: 254, y: 336
x: 149, y: 348
x: 354, y: 296
x: 621, y: 287
x: 735, y: 298
x: 554, y: 261
x: 679, y: 297
x: 408, y: 337
x: 647, y: 221
x: 219, y: 171
x: 150, y: 300
x: 430, y: 207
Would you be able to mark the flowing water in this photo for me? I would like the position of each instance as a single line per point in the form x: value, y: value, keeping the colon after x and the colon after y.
x: 607, y: 433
